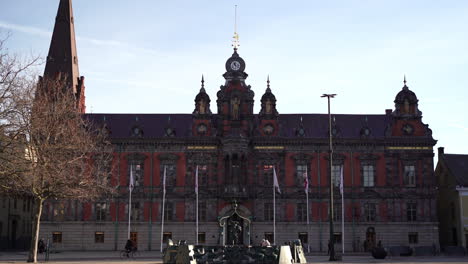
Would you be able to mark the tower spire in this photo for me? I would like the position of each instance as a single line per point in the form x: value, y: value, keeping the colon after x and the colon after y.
x: 62, y: 60
x: 235, y: 38
x: 268, y: 84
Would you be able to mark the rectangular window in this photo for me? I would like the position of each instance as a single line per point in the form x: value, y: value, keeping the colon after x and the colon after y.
x: 268, y: 211
x: 170, y: 174
x: 56, y: 237
x: 268, y: 175
x: 168, y: 211
x: 303, y: 236
x: 101, y: 211
x: 336, y: 174
x: 337, y: 237
x: 4, y: 202
x: 59, y: 212
x: 269, y: 236
x: 98, y: 237
x: 411, y: 210
x: 368, y: 173
x: 136, y: 212
x: 24, y: 205
x: 166, y: 236
x: 134, y: 238
x: 370, y: 212
x: 337, y: 212
x: 15, y: 203
x: 202, y: 211
x: 356, y: 213
x: 301, y: 212
x: 202, y: 175
x: 137, y: 170
x: 201, y: 237
x: 301, y: 170
x: 410, y: 175
x: 413, y: 237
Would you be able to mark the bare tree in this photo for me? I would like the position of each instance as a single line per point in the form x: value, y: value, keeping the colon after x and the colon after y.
x: 51, y: 151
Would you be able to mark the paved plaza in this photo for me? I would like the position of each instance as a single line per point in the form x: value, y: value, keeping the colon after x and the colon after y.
x: 153, y: 257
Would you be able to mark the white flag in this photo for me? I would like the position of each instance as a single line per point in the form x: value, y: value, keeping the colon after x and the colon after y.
x: 341, y: 181
x: 306, y: 181
x: 131, y: 184
x: 275, y: 181
x: 164, y: 180
x: 196, y: 180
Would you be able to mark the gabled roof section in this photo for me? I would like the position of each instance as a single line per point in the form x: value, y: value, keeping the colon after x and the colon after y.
x: 458, y: 166
x: 63, y: 58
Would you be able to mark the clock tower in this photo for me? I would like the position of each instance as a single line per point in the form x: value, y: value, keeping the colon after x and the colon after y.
x: 235, y: 100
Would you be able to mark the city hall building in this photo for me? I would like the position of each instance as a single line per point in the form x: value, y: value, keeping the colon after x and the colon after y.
x: 386, y: 160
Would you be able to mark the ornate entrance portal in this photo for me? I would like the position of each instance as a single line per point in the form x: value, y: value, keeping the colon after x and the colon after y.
x: 234, y: 226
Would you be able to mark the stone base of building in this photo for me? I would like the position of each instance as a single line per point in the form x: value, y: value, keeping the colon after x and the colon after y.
x: 315, y: 237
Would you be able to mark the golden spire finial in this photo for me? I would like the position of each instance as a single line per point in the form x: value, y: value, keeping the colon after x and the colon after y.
x: 235, y: 38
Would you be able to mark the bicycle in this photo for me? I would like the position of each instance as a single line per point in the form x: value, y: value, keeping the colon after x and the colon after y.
x: 124, y: 254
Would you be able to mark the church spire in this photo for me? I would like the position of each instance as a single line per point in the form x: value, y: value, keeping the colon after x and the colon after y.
x: 62, y: 60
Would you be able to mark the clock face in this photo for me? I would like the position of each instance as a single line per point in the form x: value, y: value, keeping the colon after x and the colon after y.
x: 235, y: 65
x: 268, y: 129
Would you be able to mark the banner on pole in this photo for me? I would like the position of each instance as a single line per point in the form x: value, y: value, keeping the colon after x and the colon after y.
x: 164, y: 180
x: 196, y: 180
x: 306, y: 182
x: 131, y: 184
x: 341, y: 181
x: 275, y: 181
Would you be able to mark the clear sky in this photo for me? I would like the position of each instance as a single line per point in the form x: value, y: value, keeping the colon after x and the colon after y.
x: 147, y: 56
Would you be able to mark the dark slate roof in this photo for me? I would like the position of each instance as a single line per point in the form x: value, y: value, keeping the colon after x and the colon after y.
x: 458, y: 165
x: 315, y: 125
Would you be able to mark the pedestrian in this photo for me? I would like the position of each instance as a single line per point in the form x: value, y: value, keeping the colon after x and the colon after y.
x: 41, y: 246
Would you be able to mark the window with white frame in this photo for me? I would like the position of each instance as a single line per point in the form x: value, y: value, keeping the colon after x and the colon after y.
x: 136, y: 211
x: 267, y: 171
x: 336, y: 174
x: 136, y: 170
x: 168, y: 211
x: 170, y: 174
x: 301, y: 170
x: 301, y: 212
x: 370, y: 212
x: 268, y: 211
x: 100, y: 210
x: 202, y: 174
x: 411, y: 210
x: 410, y: 175
x: 368, y: 175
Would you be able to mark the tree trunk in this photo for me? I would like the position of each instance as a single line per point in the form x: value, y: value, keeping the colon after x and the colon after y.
x: 35, y: 237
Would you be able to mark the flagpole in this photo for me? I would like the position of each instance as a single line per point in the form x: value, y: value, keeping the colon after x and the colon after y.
x: 163, y: 201
x: 196, y: 206
x: 130, y: 188
x: 274, y: 207
x: 342, y: 212
x: 275, y: 185
x: 307, y: 202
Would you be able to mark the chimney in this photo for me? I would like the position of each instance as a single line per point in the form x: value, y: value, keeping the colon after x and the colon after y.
x: 388, y: 111
x: 441, y: 151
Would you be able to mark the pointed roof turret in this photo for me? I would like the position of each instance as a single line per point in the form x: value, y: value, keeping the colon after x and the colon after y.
x: 202, y: 101
x: 63, y: 59
x: 268, y: 102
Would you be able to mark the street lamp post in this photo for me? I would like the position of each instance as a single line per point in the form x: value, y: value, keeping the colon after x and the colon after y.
x: 332, y: 237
